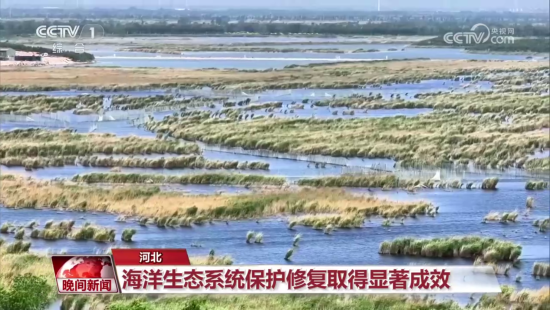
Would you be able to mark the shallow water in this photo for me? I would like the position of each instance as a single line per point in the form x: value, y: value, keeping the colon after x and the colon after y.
x: 262, y: 63
x: 461, y: 212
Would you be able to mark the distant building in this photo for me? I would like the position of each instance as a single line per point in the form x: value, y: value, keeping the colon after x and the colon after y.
x: 7, y: 54
x: 27, y: 56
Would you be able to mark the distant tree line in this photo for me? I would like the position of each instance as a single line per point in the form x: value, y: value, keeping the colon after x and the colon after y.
x: 184, y: 26
x: 277, y: 14
x: 535, y: 45
x: 77, y: 57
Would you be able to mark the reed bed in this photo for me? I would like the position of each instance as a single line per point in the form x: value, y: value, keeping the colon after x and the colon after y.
x: 490, y: 250
x: 480, y: 102
x: 356, y: 218
x: 179, y: 162
x: 536, y: 185
x: 538, y: 164
x: 434, y: 139
x: 205, y: 178
x: 43, y: 143
x: 150, y: 202
x: 541, y: 269
x: 378, y: 180
x: 28, y: 104
x: 327, y: 76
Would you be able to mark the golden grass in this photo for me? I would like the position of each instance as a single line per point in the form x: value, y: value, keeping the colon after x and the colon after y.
x: 343, y: 74
x: 432, y: 139
x: 149, y: 202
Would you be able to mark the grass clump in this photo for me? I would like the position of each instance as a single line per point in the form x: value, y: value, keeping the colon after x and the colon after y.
x: 530, y: 203
x: 18, y: 247
x: 489, y: 183
x: 541, y: 269
x: 536, y: 185
x: 19, y: 234
x: 542, y: 224
x: 289, y: 253
x: 6, y: 227
x: 259, y: 238
x: 93, y: 232
x: 490, y: 250
x: 249, y: 236
x: 127, y: 235
x: 323, y: 221
x: 296, y: 240
x: 505, y: 217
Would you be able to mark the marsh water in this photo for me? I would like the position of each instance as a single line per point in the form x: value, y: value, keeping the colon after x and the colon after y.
x: 266, y: 60
x: 460, y: 211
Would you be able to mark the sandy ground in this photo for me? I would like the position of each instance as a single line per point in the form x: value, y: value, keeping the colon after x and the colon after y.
x: 46, y: 62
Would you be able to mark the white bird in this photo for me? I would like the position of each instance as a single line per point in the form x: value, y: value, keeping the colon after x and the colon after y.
x: 312, y: 95
x: 327, y: 95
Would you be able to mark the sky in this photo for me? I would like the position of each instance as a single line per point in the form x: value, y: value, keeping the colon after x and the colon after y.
x: 446, y: 5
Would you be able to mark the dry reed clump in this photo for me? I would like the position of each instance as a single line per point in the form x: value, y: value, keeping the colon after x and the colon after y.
x: 490, y: 250
x: 530, y: 202
x: 504, y: 218
x: 433, y: 140
x: 541, y: 269
x: 6, y: 227
x: 18, y: 247
x: 204, y: 178
x: 43, y: 143
x: 340, y: 221
x: 536, y: 185
x: 250, y: 236
x: 542, y: 224
x: 489, y: 183
x: 150, y: 202
x: 211, y: 260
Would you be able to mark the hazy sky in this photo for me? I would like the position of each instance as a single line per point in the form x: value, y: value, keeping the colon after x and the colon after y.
x: 307, y: 4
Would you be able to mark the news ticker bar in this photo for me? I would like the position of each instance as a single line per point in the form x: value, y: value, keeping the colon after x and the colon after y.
x: 158, y: 271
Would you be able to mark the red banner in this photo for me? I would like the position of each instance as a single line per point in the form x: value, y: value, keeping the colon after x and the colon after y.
x: 136, y: 257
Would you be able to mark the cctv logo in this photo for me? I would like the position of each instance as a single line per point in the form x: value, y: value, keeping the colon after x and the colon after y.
x: 57, y: 31
x: 90, y: 31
